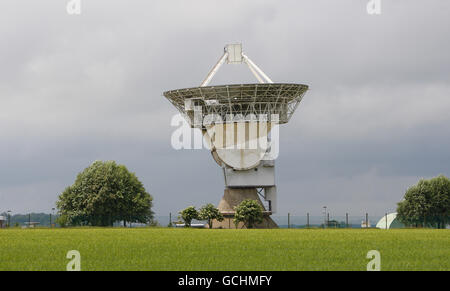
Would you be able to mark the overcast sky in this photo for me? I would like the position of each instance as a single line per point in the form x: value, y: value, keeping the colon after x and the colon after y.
x: 80, y: 88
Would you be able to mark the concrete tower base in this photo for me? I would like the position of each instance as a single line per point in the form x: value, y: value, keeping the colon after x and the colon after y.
x: 233, y: 197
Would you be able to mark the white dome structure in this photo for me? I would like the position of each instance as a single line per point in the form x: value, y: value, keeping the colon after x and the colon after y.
x: 390, y: 221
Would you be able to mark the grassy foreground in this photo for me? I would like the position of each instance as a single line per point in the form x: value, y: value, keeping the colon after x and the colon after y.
x: 202, y: 249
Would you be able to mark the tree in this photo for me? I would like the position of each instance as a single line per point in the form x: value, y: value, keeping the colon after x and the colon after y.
x: 188, y: 215
x: 104, y: 193
x: 250, y: 212
x: 440, y: 201
x: 62, y: 220
x: 427, y: 203
x: 210, y: 212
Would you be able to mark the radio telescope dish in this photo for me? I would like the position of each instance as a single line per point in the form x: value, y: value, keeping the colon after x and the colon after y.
x: 236, y: 120
x: 244, y: 102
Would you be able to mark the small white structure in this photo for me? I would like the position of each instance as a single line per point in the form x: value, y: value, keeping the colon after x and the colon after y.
x: 390, y: 221
x: 365, y: 224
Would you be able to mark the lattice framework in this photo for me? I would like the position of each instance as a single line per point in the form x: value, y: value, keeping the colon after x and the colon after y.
x: 244, y: 99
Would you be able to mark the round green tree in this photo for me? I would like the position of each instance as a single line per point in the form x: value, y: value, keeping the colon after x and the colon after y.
x: 188, y: 215
x: 209, y: 212
x: 105, y: 193
x: 250, y: 212
x: 427, y: 203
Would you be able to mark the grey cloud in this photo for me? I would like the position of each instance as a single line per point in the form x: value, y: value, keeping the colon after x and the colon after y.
x: 74, y: 89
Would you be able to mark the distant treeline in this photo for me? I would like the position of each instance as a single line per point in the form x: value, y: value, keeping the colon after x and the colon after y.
x: 20, y: 219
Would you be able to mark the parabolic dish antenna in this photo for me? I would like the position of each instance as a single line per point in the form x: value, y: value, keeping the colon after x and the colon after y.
x: 237, y: 121
x: 245, y: 103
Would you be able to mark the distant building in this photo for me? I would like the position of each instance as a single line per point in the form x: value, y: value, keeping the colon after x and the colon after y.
x: 3, y: 221
x: 390, y: 221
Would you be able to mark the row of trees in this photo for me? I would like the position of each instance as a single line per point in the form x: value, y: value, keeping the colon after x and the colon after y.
x: 249, y: 212
x: 208, y: 212
x: 426, y: 204
x: 105, y: 193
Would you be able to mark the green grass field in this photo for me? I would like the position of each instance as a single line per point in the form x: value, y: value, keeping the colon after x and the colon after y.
x: 202, y: 249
